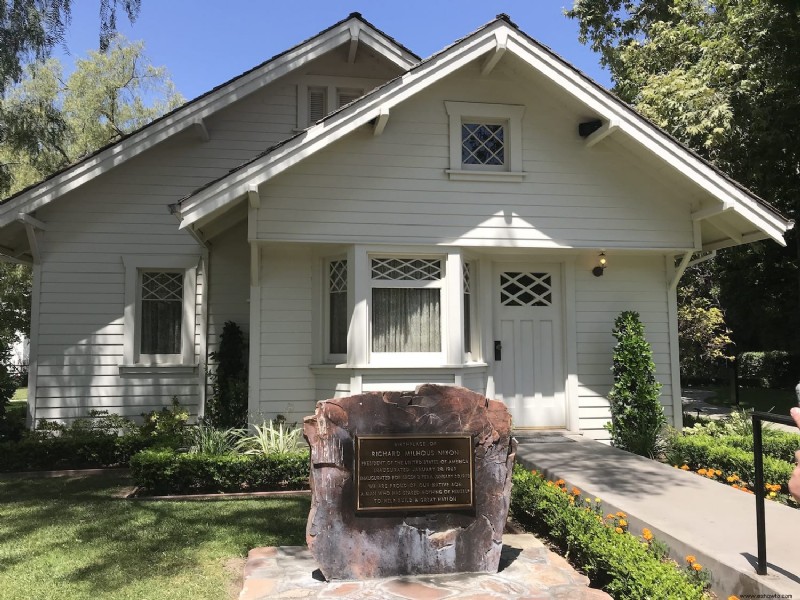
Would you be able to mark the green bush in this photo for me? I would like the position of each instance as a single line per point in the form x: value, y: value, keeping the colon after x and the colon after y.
x: 227, y: 405
x: 620, y: 564
x: 637, y: 418
x: 773, y: 369
x: 778, y: 444
x: 704, y: 451
x: 100, y: 440
x: 170, y: 472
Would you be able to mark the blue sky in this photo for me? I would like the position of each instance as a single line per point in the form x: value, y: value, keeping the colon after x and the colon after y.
x: 206, y: 42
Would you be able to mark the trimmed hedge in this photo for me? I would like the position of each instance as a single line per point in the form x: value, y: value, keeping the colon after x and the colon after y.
x: 704, y: 451
x: 33, y: 453
x: 777, y: 444
x: 162, y: 472
x: 620, y: 564
x: 772, y: 369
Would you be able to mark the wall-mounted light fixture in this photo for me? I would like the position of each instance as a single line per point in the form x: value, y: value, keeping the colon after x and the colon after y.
x: 601, y: 265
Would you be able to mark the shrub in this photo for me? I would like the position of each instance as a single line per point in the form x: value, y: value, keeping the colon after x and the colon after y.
x: 227, y: 404
x: 637, y: 417
x: 615, y: 561
x: 269, y: 439
x: 207, y: 440
x: 704, y: 451
x: 170, y: 472
x: 772, y: 369
x: 101, y: 440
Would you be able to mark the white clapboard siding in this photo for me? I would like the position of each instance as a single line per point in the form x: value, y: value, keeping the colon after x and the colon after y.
x: 287, y: 385
x: 629, y: 283
x: 394, y: 188
x: 124, y: 212
x: 229, y: 290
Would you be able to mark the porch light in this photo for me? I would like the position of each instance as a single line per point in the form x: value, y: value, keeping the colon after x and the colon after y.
x: 601, y: 265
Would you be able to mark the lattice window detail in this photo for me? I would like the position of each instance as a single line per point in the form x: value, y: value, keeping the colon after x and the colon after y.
x: 526, y: 289
x: 467, y: 278
x: 162, y: 286
x: 483, y: 144
x: 407, y: 269
x: 338, y: 277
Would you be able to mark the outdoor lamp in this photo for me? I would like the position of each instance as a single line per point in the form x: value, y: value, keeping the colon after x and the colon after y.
x: 601, y: 266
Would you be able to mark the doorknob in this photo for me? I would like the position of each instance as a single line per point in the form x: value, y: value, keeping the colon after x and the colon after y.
x: 498, y: 350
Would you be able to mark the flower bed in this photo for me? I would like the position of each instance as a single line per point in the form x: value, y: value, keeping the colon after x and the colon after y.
x: 722, y: 458
x: 627, y: 567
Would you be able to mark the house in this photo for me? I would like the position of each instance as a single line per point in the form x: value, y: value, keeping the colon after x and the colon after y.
x: 373, y: 221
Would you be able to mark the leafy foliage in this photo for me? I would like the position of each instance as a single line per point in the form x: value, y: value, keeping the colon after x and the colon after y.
x: 616, y: 562
x: 704, y: 338
x: 169, y: 472
x: 208, y: 440
x: 269, y: 439
x: 774, y: 369
x: 637, y: 417
x: 227, y: 405
x: 29, y: 30
x: 722, y: 77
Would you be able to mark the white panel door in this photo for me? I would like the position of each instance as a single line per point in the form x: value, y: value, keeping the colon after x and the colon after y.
x: 528, y: 371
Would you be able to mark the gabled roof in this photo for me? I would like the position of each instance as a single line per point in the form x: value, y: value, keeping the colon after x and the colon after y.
x: 498, y: 36
x: 354, y: 27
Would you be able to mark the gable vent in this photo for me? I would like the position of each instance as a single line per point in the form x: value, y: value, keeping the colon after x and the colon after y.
x: 346, y: 96
x: 317, y: 104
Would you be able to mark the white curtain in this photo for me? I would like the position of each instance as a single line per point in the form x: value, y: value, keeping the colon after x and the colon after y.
x: 406, y: 320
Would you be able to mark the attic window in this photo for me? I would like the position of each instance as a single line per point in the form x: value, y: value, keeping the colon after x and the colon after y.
x: 320, y: 96
x: 485, y: 141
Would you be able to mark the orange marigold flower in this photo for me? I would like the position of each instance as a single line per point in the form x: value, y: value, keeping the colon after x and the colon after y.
x: 609, y: 516
x: 697, y: 566
x: 733, y: 597
x: 621, y: 514
x: 647, y: 534
x: 560, y: 482
x: 685, y: 468
x: 618, y: 529
x: 731, y: 478
x: 576, y: 492
x: 701, y: 471
x: 623, y: 523
x: 691, y: 558
x: 717, y: 472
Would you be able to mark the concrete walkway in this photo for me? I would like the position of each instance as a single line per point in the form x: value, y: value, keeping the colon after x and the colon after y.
x: 692, y: 514
x: 528, y: 571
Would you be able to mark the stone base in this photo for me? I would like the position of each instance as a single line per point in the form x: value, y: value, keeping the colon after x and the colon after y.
x: 528, y: 571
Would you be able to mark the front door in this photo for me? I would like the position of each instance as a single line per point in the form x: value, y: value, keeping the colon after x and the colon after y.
x: 528, y: 371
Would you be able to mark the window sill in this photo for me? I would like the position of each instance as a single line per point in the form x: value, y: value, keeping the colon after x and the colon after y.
x: 461, y: 175
x: 157, y: 369
x: 412, y: 367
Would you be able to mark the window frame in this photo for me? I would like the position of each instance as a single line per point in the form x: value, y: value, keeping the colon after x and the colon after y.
x: 403, y: 358
x: 134, y: 267
x: 333, y: 86
x: 510, y: 116
x: 331, y: 357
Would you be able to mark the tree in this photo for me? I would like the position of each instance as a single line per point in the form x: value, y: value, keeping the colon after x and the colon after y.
x: 29, y: 30
x: 637, y: 417
x: 722, y: 76
x: 101, y: 101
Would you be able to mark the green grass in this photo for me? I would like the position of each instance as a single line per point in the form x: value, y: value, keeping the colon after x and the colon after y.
x: 768, y: 400
x: 71, y: 538
x: 20, y: 395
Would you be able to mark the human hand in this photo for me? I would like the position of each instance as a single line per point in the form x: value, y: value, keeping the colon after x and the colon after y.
x: 794, y: 482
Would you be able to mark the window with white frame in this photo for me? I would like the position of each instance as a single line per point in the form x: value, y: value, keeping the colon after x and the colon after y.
x: 406, y: 305
x: 319, y: 96
x: 485, y: 141
x: 160, y: 311
x: 338, y: 317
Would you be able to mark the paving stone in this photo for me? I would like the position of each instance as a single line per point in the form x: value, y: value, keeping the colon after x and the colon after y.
x: 287, y: 573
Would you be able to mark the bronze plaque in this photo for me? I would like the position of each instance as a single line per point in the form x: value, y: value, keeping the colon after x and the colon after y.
x: 414, y: 473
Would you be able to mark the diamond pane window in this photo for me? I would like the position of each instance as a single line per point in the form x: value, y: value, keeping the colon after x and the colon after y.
x: 525, y: 289
x: 407, y: 269
x: 162, y: 312
x: 337, y: 297
x: 483, y: 144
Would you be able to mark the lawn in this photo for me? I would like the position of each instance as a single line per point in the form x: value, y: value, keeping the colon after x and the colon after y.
x: 20, y: 395
x: 72, y: 538
x: 767, y: 400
